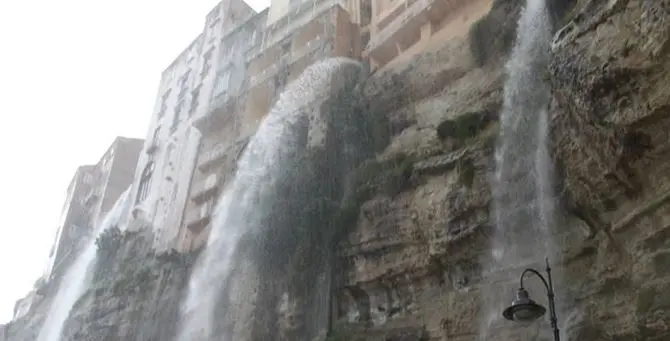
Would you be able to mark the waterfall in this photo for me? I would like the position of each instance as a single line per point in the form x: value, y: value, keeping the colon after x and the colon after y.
x: 249, y: 197
x: 522, y: 187
x: 77, y: 278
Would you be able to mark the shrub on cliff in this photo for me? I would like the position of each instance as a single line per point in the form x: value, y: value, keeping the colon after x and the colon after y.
x: 108, y: 244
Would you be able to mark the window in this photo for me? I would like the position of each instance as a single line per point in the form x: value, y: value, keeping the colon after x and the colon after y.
x: 154, y: 139
x: 222, y: 80
x: 164, y: 99
x: 195, y: 94
x: 176, y: 116
x: 104, y: 163
x: 207, y: 62
x: 286, y: 48
x: 184, y: 77
x: 183, y: 85
x: 145, y: 182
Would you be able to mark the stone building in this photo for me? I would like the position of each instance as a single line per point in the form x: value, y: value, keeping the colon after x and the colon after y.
x: 259, y: 58
x: 187, y: 87
x: 91, y: 194
x: 400, y: 29
x: 297, y: 35
x: 223, y: 138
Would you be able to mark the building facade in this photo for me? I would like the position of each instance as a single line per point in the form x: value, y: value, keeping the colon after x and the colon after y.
x: 264, y: 54
x: 295, y: 37
x: 91, y: 194
x: 402, y: 28
x: 223, y: 137
x: 213, y: 97
x: 195, y: 79
x: 73, y: 219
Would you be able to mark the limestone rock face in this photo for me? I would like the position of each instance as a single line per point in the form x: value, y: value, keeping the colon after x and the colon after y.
x: 413, y: 258
x: 135, y: 295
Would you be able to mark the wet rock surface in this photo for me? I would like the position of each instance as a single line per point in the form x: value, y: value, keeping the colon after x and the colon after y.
x: 414, y: 224
x: 414, y: 256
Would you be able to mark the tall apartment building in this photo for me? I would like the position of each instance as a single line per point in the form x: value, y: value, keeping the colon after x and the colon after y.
x: 262, y: 55
x: 222, y: 135
x: 402, y: 28
x: 195, y: 79
x: 91, y: 194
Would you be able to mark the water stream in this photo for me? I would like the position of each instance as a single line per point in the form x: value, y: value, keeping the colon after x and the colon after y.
x: 522, y: 186
x: 250, y: 195
x: 77, y: 278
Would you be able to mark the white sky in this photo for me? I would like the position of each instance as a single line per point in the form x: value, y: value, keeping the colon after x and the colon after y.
x: 74, y: 74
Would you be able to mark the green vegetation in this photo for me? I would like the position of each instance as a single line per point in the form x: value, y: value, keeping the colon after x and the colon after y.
x: 109, y: 239
x: 463, y: 127
x: 466, y: 172
x: 478, y: 36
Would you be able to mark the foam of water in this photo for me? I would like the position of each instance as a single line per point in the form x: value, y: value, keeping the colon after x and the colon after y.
x: 522, y: 186
x: 77, y: 277
x: 241, y: 207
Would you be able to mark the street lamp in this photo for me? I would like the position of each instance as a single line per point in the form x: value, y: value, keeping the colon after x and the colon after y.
x: 524, y: 309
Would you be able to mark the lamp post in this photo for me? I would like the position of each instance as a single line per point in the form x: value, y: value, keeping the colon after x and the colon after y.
x: 524, y: 309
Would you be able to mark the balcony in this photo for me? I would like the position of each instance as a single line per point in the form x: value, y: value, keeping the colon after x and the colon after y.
x: 206, y: 188
x: 199, y: 216
x: 91, y: 198
x: 308, y: 48
x: 269, y: 72
x: 152, y: 147
x: 296, y: 18
x: 213, y: 157
x: 287, y: 60
x: 219, y: 113
x: 415, y: 14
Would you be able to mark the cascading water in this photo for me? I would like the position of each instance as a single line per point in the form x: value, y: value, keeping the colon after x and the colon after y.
x: 249, y: 197
x: 77, y: 277
x: 522, y: 188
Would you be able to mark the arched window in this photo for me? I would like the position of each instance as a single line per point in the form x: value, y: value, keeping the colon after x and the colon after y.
x: 145, y: 182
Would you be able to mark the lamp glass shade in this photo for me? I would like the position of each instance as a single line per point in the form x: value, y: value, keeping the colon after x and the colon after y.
x: 523, y: 309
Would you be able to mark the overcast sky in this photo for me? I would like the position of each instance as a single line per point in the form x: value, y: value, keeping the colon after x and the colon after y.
x: 74, y: 74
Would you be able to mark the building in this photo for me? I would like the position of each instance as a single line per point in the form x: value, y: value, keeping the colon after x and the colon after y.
x: 197, y: 78
x: 73, y: 222
x: 223, y: 138
x: 263, y: 54
x: 297, y: 35
x: 213, y: 97
x: 402, y: 28
x: 91, y: 194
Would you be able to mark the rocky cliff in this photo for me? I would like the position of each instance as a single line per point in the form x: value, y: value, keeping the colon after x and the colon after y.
x: 414, y: 256
x: 413, y: 222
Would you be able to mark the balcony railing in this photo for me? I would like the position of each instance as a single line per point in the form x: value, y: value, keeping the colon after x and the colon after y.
x: 206, y: 188
x: 214, y: 156
x: 297, y: 17
x: 288, y: 59
x: 308, y: 48
x: 270, y: 71
x: 199, y: 216
x: 398, y: 23
x: 219, y: 112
